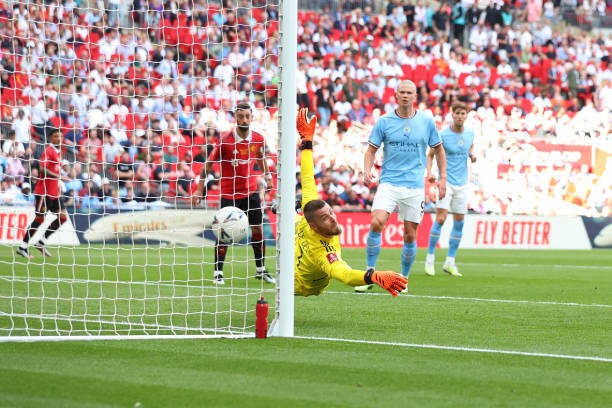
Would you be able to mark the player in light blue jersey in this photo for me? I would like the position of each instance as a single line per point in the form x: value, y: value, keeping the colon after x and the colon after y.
x: 458, y: 143
x: 404, y: 135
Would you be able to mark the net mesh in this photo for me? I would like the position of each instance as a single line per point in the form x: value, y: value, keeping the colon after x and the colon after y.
x: 141, y: 93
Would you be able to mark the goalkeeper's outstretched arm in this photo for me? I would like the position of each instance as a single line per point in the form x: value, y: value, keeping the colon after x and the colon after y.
x: 390, y: 281
x: 322, y: 220
x: 306, y: 127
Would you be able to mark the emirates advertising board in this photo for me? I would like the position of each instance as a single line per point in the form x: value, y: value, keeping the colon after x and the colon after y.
x: 192, y: 228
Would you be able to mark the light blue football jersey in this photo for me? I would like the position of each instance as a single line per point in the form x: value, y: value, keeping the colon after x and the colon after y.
x: 404, y: 142
x: 457, y: 148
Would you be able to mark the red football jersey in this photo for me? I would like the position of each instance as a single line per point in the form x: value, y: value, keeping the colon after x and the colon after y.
x: 237, y: 158
x: 49, y: 186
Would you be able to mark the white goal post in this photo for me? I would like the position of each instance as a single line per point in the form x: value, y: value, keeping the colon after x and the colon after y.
x: 135, y: 258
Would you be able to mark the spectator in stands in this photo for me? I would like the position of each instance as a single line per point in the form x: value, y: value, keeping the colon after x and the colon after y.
x: 73, y: 184
x: 13, y: 146
x: 324, y: 101
x: 357, y: 112
x: 8, y: 192
x: 145, y: 194
x: 124, y: 169
x: 107, y: 193
x: 184, y: 179
x: 74, y: 129
x: 301, y: 80
x: 14, y: 169
x: 41, y: 117
x: 88, y: 197
x: 341, y: 108
x: 25, y: 196
x: 21, y: 127
x: 162, y: 176
x: 126, y: 193
x: 352, y: 201
x: 458, y: 19
x: 111, y: 149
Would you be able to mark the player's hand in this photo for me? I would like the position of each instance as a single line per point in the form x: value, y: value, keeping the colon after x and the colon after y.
x: 368, y: 176
x: 390, y: 281
x: 431, y: 177
x: 441, y: 188
x: 268, y: 180
x: 305, y: 126
x: 197, y: 197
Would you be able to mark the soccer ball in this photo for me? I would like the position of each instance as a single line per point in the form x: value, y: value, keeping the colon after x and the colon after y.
x: 230, y: 225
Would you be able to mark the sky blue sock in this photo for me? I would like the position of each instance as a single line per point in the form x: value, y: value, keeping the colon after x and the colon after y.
x: 409, y: 252
x: 373, y: 248
x: 434, y: 237
x: 455, y: 238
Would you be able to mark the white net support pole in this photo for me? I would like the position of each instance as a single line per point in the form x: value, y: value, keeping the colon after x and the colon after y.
x: 283, y: 322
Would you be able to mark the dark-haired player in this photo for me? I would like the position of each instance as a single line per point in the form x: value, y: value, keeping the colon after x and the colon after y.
x: 237, y: 153
x: 46, y: 196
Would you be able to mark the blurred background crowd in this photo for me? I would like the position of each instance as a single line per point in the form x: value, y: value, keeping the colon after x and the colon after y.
x: 142, y: 90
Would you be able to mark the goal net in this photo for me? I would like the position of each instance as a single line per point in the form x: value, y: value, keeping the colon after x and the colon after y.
x: 141, y: 96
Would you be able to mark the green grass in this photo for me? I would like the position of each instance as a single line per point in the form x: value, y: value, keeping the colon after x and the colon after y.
x: 520, y: 329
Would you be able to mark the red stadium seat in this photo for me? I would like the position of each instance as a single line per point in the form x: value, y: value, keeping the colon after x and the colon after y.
x: 388, y: 93
x: 526, y: 105
x: 407, y: 70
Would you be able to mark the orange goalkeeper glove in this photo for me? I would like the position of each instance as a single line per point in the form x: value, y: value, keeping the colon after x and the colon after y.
x: 305, y: 126
x: 390, y: 281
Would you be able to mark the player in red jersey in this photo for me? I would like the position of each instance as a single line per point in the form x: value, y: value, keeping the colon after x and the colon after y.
x: 46, y: 196
x: 238, y: 152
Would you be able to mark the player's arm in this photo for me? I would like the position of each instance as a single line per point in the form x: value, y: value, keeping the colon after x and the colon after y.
x: 430, y: 156
x: 471, y: 155
x: 49, y: 173
x: 390, y: 281
x: 262, y: 163
x: 441, y: 161
x: 368, y: 163
x: 306, y: 128
x: 200, y: 191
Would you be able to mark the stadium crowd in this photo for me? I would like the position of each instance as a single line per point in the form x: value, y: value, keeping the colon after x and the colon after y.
x: 142, y: 94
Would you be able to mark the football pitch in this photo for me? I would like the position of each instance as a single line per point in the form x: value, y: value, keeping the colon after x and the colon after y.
x: 519, y: 329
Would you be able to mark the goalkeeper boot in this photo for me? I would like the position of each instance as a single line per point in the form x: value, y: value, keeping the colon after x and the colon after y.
x: 218, y: 278
x: 451, y: 269
x: 43, y: 250
x: 265, y: 276
x: 24, y: 252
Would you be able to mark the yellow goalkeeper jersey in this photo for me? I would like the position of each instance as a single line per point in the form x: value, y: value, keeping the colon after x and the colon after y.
x: 318, y: 259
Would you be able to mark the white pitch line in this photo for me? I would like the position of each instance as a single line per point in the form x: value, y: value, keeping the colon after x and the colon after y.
x: 530, y: 302
x: 457, y: 348
x: 517, y: 265
x: 471, y: 299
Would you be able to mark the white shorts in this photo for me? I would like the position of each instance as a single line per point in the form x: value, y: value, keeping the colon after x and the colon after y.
x: 409, y: 201
x: 455, y: 200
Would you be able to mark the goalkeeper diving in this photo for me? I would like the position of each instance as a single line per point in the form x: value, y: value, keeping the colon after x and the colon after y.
x: 318, y: 256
